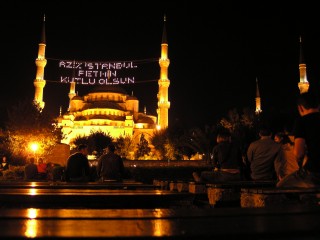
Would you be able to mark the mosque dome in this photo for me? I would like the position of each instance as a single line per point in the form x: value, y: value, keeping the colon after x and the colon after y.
x: 108, y: 88
x: 77, y: 98
x: 102, y: 104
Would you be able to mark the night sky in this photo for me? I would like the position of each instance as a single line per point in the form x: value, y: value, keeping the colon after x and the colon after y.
x: 217, y: 50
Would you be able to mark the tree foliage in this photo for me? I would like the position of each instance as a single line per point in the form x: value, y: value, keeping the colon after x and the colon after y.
x: 200, y: 140
x: 171, y: 152
x: 124, y: 146
x: 143, y: 148
x: 159, y: 140
x: 28, y: 124
x: 96, y: 141
x: 242, y: 125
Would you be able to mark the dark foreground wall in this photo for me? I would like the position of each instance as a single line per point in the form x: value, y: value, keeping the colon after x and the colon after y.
x: 145, y: 170
x: 165, y: 163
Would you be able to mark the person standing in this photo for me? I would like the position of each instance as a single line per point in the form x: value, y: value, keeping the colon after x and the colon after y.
x: 262, y: 155
x: 110, y: 165
x: 306, y: 144
x: 78, y: 169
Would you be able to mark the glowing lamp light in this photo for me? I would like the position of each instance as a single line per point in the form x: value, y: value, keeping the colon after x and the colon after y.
x: 34, y: 147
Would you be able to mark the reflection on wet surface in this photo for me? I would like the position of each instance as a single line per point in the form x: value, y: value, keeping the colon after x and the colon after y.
x: 188, y: 223
x: 42, y: 210
x: 31, y: 228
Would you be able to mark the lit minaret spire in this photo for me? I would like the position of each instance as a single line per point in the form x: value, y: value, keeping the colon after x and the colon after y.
x: 41, y: 62
x: 303, y: 84
x: 258, y: 99
x: 72, y: 92
x: 164, y: 82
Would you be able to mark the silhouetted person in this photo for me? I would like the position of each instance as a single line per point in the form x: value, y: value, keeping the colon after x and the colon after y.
x: 78, y: 169
x: 227, y: 160
x: 306, y: 144
x: 262, y: 155
x: 4, y: 164
x: 42, y: 169
x: 287, y: 162
x: 31, y: 170
x: 110, y: 165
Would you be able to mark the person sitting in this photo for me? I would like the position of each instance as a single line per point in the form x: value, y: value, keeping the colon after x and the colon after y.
x: 227, y: 161
x: 78, y: 169
x: 306, y: 144
x: 31, y: 170
x: 4, y: 164
x: 42, y: 169
x: 262, y: 155
x: 287, y: 162
x: 110, y: 165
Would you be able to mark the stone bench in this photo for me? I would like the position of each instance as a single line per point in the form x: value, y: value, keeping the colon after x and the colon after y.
x: 162, y: 184
x: 228, y: 194
x: 93, y: 198
x: 259, y: 197
x: 187, y: 186
x: 179, y: 185
x: 108, y: 184
x: 198, y: 190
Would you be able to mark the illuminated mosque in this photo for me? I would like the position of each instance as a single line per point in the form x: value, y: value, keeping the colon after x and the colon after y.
x: 108, y: 108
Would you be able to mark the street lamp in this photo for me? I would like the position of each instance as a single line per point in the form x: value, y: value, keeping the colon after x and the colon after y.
x: 34, y: 147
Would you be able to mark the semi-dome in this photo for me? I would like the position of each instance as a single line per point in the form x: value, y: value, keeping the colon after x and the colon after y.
x: 132, y: 98
x: 77, y: 98
x: 145, y: 119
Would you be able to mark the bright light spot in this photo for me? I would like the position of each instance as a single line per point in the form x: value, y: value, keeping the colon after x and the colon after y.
x: 34, y: 147
x: 32, y: 212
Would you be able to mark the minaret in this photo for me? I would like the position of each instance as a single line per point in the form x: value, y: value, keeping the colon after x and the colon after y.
x: 41, y: 62
x: 72, y: 92
x: 258, y: 99
x: 303, y: 84
x: 164, y: 82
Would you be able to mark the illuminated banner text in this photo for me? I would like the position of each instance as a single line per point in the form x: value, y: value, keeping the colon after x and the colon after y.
x: 97, y: 73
